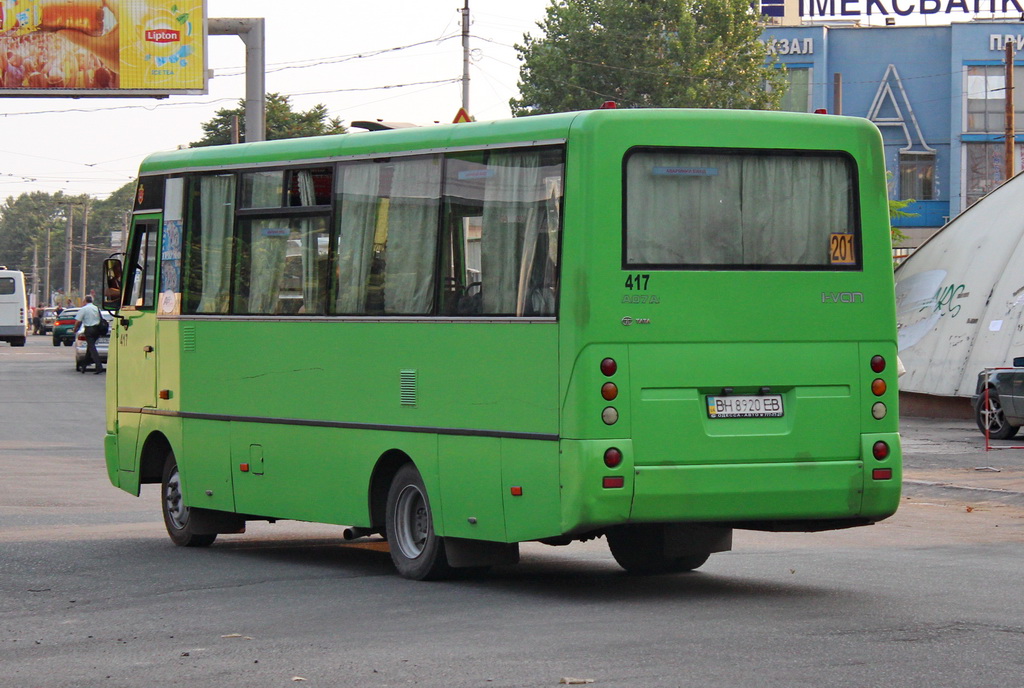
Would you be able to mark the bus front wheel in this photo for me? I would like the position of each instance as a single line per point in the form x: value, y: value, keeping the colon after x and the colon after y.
x: 177, y: 516
x: 416, y: 550
x: 640, y: 549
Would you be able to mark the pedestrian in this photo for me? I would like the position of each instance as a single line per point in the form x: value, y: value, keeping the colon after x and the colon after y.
x: 89, y: 317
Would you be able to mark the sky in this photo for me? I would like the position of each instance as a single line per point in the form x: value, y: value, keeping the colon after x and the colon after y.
x: 354, y: 57
x: 94, y: 145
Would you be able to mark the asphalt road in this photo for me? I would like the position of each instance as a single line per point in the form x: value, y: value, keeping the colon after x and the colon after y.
x: 92, y: 592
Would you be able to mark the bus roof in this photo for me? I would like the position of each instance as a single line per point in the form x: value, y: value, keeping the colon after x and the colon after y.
x: 534, y: 129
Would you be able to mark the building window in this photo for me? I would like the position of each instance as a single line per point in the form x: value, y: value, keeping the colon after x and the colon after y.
x: 797, y: 97
x: 986, y: 99
x: 984, y: 168
x: 917, y: 176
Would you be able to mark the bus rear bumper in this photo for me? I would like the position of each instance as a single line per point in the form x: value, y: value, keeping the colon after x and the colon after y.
x: 779, y: 492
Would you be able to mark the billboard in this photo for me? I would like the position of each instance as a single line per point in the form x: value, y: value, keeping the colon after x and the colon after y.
x: 102, y: 47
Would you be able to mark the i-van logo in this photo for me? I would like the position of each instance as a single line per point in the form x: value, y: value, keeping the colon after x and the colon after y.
x: 163, y: 35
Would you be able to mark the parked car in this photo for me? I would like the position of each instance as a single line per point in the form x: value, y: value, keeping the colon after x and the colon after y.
x: 999, y: 400
x: 82, y: 360
x: 64, y: 326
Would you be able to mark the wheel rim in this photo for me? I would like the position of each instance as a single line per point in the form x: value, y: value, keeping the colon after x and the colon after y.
x: 412, y: 521
x: 992, y: 414
x: 177, y: 512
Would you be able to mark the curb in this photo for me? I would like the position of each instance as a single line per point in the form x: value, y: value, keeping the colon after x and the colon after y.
x: 927, y: 488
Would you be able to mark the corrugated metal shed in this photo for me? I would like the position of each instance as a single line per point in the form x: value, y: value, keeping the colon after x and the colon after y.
x: 960, y: 297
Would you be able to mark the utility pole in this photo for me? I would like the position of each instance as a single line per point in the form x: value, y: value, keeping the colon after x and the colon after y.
x: 67, y: 253
x: 1010, y: 124
x: 85, y: 251
x: 837, y: 94
x: 465, y: 56
x: 48, y: 296
x: 35, y: 274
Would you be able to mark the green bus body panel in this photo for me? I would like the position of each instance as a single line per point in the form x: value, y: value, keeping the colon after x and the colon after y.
x: 263, y: 402
x: 287, y: 418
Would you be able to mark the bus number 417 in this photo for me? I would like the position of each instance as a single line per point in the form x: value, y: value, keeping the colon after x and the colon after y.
x: 637, y: 282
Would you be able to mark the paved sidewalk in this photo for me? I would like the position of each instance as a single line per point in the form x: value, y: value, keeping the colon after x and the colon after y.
x: 944, y: 458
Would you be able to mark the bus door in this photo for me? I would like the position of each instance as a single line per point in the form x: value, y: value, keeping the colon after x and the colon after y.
x: 136, y: 335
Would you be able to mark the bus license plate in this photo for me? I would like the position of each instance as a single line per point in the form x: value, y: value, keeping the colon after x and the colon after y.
x: 745, y: 406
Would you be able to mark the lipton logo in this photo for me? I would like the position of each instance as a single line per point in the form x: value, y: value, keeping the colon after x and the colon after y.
x: 163, y: 36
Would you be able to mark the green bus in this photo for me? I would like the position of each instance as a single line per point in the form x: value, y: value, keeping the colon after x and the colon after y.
x: 654, y: 326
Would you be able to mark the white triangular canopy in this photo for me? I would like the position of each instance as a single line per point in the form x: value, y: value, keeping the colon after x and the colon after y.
x: 960, y: 297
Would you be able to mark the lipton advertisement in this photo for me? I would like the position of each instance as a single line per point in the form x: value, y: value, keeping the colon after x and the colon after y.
x: 101, y: 47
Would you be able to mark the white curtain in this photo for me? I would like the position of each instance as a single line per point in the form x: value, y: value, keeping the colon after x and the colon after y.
x: 217, y: 211
x: 799, y: 203
x: 412, y: 237
x: 263, y: 189
x: 359, y: 186
x: 268, y: 243
x: 512, y: 210
x: 758, y: 210
x: 538, y: 265
x: 683, y: 209
x: 310, y: 231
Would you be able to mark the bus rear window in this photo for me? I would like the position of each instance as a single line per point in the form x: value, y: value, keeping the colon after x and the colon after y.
x: 740, y: 210
x: 6, y: 286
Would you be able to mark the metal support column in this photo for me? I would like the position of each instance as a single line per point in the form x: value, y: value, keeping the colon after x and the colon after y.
x: 251, y: 31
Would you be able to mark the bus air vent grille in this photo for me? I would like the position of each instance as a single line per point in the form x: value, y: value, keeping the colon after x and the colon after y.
x: 188, y: 338
x: 407, y: 387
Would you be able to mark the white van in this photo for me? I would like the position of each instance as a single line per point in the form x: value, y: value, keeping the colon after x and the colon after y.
x: 13, y: 307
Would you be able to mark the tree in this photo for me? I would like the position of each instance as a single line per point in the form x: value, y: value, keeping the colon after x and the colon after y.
x: 282, y: 122
x: 31, y: 221
x: 647, y: 53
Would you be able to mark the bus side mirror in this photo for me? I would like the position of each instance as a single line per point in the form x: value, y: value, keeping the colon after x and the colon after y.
x: 111, y: 284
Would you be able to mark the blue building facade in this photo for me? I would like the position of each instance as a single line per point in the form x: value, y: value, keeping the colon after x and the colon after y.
x: 937, y: 93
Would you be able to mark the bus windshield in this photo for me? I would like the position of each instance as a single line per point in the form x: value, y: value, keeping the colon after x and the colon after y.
x: 740, y: 210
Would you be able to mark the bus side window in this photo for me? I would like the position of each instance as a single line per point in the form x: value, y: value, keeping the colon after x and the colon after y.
x: 386, y: 247
x: 504, y: 219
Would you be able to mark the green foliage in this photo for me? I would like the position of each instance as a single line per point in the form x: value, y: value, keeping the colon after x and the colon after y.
x: 28, y: 220
x: 896, y: 209
x: 650, y: 53
x: 282, y: 122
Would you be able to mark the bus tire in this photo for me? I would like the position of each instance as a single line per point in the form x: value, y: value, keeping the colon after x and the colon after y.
x: 640, y: 550
x: 176, y: 514
x: 417, y: 551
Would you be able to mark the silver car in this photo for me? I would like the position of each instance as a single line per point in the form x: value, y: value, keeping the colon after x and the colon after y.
x: 82, y: 360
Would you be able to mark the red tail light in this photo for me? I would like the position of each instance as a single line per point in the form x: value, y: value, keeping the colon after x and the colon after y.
x: 877, y: 364
x: 613, y: 481
x: 882, y: 474
x: 880, y: 450
x: 609, y: 366
x: 612, y: 457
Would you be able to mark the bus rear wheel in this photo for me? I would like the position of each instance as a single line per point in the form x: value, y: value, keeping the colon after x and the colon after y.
x: 416, y: 550
x: 640, y: 549
x: 177, y: 516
